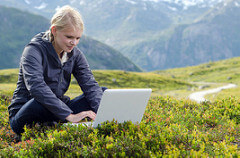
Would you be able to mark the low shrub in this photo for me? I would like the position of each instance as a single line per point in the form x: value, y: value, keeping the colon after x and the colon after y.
x: 170, y: 127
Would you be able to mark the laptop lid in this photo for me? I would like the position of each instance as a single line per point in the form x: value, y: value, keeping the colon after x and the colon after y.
x: 122, y: 105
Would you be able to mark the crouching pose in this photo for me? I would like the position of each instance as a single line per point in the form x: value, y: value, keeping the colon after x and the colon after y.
x: 46, y: 66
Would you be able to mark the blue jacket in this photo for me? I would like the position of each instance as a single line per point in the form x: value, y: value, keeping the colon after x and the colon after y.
x: 44, y: 78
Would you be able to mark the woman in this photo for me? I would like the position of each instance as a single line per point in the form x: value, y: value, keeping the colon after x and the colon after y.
x: 45, y: 72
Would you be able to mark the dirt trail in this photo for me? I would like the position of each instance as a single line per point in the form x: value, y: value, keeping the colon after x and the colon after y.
x: 199, y: 96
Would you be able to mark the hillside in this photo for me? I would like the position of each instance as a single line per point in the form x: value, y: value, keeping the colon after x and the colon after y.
x: 16, y: 29
x: 178, y: 82
x: 213, y: 36
x: 19, y: 27
x: 220, y: 72
x: 109, y: 79
x: 122, y: 21
x: 169, y: 128
x: 157, y: 34
x: 102, y: 56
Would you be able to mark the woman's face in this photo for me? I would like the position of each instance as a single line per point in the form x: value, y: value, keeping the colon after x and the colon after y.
x: 66, y: 39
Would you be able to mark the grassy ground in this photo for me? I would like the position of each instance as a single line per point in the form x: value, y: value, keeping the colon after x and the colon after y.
x: 111, y: 79
x: 171, y: 127
x: 221, y: 72
x: 178, y: 82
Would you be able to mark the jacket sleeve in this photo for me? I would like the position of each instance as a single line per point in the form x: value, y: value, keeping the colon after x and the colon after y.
x: 87, y: 82
x: 32, y: 67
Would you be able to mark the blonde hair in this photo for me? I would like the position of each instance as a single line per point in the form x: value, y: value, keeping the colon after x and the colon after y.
x: 64, y: 17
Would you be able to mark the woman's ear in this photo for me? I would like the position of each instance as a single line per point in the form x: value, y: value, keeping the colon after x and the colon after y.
x: 53, y: 30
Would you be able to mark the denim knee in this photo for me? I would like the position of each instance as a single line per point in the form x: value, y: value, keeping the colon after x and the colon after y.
x: 14, y: 126
x: 104, y: 88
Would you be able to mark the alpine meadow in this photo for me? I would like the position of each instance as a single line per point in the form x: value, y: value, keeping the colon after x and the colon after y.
x: 172, y: 126
x: 176, y: 48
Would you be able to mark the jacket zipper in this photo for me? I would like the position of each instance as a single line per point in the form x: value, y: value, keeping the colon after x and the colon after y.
x: 60, y: 80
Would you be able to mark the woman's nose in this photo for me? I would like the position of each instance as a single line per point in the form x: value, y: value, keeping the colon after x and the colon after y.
x: 73, y: 42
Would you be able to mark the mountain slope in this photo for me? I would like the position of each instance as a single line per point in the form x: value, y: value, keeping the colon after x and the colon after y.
x: 18, y: 27
x: 157, y: 34
x: 223, y: 71
x: 102, y: 56
x: 123, y: 22
x: 215, y: 36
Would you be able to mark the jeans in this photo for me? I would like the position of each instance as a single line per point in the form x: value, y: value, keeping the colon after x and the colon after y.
x: 33, y: 112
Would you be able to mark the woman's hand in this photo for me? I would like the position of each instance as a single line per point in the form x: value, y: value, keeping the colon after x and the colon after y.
x: 75, y: 118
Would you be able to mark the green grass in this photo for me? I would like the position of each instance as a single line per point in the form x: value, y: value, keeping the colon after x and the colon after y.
x: 222, y: 72
x: 109, y: 79
x: 171, y: 127
x: 122, y: 79
x: 8, y: 76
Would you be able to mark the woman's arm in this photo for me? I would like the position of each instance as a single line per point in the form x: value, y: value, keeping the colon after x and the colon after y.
x: 32, y: 67
x: 87, y: 82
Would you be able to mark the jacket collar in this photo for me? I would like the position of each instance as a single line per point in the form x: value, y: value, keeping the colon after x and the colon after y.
x: 46, y: 38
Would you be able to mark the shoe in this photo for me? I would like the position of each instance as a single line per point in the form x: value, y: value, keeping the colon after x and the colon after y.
x: 50, y: 124
x: 17, y: 138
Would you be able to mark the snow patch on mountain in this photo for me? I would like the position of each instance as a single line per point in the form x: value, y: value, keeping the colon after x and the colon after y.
x: 184, y: 4
x: 130, y: 1
x: 172, y: 8
x: 237, y: 4
x: 42, y: 6
x: 156, y: 1
x: 189, y: 3
x: 72, y: 1
x: 27, y: 1
x: 82, y: 3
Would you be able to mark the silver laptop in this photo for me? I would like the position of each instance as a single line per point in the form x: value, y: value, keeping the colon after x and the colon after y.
x: 121, y: 105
